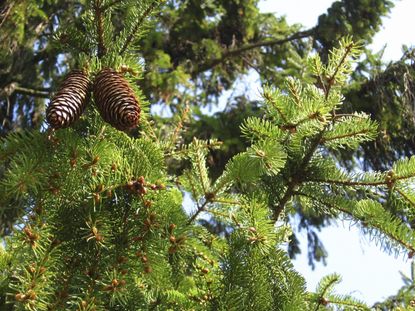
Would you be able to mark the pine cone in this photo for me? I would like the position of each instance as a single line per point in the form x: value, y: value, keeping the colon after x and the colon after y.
x: 115, y: 100
x: 70, y: 101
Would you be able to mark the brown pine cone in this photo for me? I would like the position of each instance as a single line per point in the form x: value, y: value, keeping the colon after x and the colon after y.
x: 70, y: 101
x: 115, y: 100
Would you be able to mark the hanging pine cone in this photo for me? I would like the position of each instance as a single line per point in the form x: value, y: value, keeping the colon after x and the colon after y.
x: 70, y: 101
x: 115, y: 100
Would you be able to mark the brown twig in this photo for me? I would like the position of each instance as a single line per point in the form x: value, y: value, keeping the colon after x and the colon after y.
x: 324, y: 140
x: 200, y: 209
x: 16, y: 88
x: 100, y: 28
x: 330, y: 80
x: 235, y: 52
x: 294, y: 182
x: 130, y: 37
x: 6, y: 13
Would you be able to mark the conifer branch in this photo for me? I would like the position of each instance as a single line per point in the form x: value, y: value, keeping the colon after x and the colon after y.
x: 352, y: 115
x: 330, y: 80
x: 16, y: 88
x: 324, y: 291
x: 150, y: 133
x: 319, y: 200
x: 209, y: 64
x: 360, y: 183
x: 364, y: 131
x: 179, y: 126
x: 271, y: 100
x: 394, y: 238
x: 99, y: 20
x: 299, y: 122
x: 134, y: 30
x: 200, y: 209
x: 224, y: 201
x: 297, y: 177
x: 346, y: 303
x: 110, y: 5
x: 409, y: 200
x: 347, y: 212
x: 348, y: 182
x: 6, y: 12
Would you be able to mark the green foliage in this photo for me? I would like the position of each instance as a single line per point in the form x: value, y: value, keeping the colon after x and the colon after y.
x: 100, y: 219
x: 192, y: 52
x: 325, y: 299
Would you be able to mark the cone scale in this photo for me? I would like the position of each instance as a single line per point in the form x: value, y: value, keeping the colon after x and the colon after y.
x: 116, y: 100
x: 70, y: 101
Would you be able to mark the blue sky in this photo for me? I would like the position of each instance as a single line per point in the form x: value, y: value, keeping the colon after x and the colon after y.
x: 368, y: 273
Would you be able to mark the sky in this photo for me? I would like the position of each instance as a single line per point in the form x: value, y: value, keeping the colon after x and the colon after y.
x: 368, y: 273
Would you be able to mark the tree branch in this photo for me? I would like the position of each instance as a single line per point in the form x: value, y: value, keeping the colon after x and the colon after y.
x: 386, y: 182
x: 5, y: 13
x: 110, y: 4
x: 130, y: 37
x: 100, y: 28
x: 299, y: 173
x: 350, y: 183
x: 347, y: 212
x: 16, y: 88
x: 32, y: 92
x: 200, y: 209
x: 324, y: 140
x: 235, y: 52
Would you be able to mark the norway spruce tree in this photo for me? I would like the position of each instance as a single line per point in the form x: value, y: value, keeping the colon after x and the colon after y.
x: 102, y: 220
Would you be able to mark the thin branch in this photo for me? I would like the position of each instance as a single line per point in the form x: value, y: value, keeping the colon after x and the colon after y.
x: 130, y: 37
x: 352, y: 115
x: 298, y: 174
x: 6, y: 13
x: 16, y: 88
x: 271, y: 100
x: 110, y: 4
x: 405, y: 196
x: 224, y: 201
x: 179, y: 126
x: 236, y: 52
x: 324, y: 140
x: 361, y: 183
x: 32, y: 92
x: 100, y: 28
x: 345, y: 303
x: 323, y: 294
x: 404, y: 177
x: 202, y: 182
x: 348, y: 182
x: 328, y: 204
x: 250, y: 64
x: 333, y: 76
x: 200, y: 209
x: 185, y: 151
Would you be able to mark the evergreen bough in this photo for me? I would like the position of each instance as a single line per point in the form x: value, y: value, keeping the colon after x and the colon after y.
x: 103, y: 225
